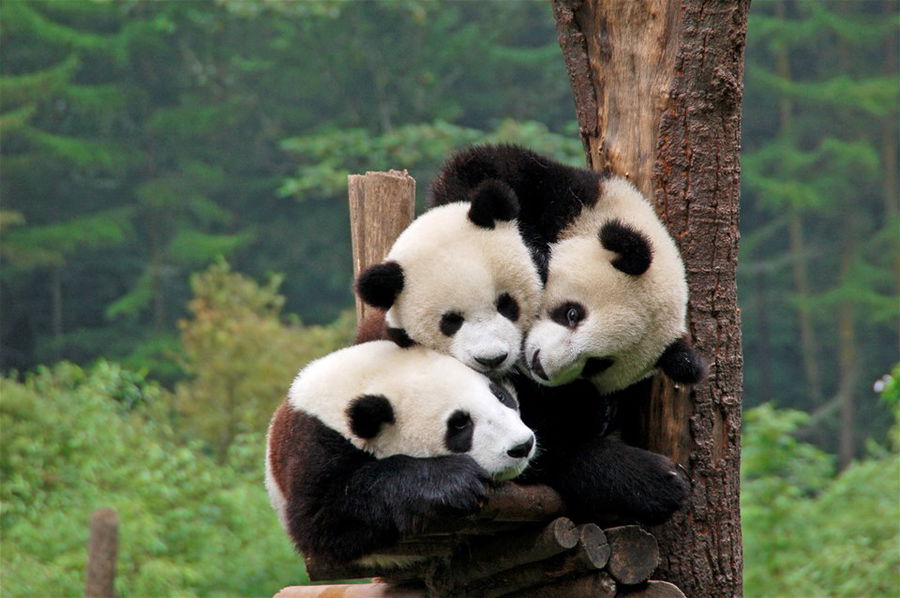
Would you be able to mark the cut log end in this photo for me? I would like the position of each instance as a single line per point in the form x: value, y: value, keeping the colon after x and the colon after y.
x: 634, y: 554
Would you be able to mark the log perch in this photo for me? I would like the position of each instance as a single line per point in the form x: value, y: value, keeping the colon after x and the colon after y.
x: 487, y: 558
x: 652, y: 589
x: 634, y: 554
x: 595, y: 585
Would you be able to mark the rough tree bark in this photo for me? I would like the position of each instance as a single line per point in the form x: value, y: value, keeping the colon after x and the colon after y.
x: 658, y: 87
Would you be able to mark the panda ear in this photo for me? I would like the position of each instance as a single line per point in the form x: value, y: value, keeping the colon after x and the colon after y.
x: 493, y: 200
x: 367, y: 413
x: 380, y: 284
x: 681, y: 363
x: 633, y: 247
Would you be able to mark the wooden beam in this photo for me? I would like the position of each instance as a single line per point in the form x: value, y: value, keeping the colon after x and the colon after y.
x: 382, y: 204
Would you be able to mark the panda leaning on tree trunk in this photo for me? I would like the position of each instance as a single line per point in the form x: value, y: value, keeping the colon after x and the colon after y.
x: 612, y: 312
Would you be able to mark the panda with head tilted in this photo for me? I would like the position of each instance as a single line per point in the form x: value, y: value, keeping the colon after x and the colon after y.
x: 375, y: 439
x: 459, y: 280
x: 612, y: 313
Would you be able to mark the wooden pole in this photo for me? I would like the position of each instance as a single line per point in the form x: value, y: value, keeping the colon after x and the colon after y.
x: 382, y: 204
x: 103, y: 548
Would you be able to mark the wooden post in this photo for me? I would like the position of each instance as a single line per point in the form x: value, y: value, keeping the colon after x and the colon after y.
x: 382, y: 204
x: 103, y: 548
x: 658, y: 87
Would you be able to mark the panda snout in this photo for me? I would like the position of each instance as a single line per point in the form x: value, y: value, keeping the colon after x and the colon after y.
x: 521, y: 451
x: 492, y: 362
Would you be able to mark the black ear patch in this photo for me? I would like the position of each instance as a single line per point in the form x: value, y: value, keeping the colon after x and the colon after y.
x: 635, y: 253
x: 493, y: 200
x: 681, y: 363
x: 367, y: 413
x: 380, y: 284
x: 400, y: 338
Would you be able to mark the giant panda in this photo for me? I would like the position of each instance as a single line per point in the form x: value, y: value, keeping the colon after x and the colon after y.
x: 612, y: 313
x: 459, y: 280
x: 374, y: 439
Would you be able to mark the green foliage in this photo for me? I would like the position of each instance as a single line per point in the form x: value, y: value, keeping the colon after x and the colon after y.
x: 175, y: 113
x: 75, y: 440
x: 241, y: 356
x: 327, y: 159
x: 820, y: 114
x: 806, y: 532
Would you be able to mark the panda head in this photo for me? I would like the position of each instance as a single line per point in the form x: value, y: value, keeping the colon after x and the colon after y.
x: 615, y: 300
x: 388, y: 401
x: 460, y: 280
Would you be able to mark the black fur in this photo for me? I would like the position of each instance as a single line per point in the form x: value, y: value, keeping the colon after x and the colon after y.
x: 493, y: 200
x: 450, y: 323
x: 681, y: 363
x: 550, y: 194
x: 569, y: 314
x: 380, y: 284
x: 400, y: 338
x: 633, y: 247
x: 344, y: 503
x: 504, y: 396
x: 600, y: 478
x: 508, y: 307
x: 596, y: 365
x: 460, y: 430
x: 368, y: 413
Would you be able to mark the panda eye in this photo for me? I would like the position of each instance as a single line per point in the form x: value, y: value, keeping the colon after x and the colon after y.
x: 504, y: 396
x: 451, y: 322
x: 460, y: 430
x: 568, y: 314
x: 459, y: 422
x: 508, y: 307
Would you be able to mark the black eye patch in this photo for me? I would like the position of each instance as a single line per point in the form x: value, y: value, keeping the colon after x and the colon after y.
x: 460, y: 430
x: 569, y: 314
x: 504, y: 396
x: 451, y: 322
x: 508, y: 307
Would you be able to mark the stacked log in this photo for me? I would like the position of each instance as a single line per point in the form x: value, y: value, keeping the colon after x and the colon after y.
x: 519, y: 544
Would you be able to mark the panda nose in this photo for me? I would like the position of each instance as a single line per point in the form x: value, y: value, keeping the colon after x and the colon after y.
x: 491, y: 361
x: 536, y: 366
x: 521, y: 450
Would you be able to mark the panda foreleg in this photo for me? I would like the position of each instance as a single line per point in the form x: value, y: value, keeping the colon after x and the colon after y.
x: 373, y: 506
x: 605, y: 480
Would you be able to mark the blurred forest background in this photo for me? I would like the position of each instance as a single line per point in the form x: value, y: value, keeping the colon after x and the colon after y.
x: 175, y: 246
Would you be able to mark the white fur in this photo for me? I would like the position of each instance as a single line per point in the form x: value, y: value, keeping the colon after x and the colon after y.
x: 424, y: 389
x: 630, y: 319
x: 450, y: 264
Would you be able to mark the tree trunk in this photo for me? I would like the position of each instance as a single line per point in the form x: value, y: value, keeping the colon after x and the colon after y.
x: 658, y: 89
x: 56, y: 309
x: 847, y: 362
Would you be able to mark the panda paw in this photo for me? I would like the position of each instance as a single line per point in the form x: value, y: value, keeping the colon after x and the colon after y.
x: 611, y: 482
x: 657, y: 490
x: 451, y: 486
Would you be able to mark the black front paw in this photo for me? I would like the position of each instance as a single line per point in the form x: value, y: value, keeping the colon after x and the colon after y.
x: 609, y: 481
x: 447, y: 486
x: 657, y: 490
